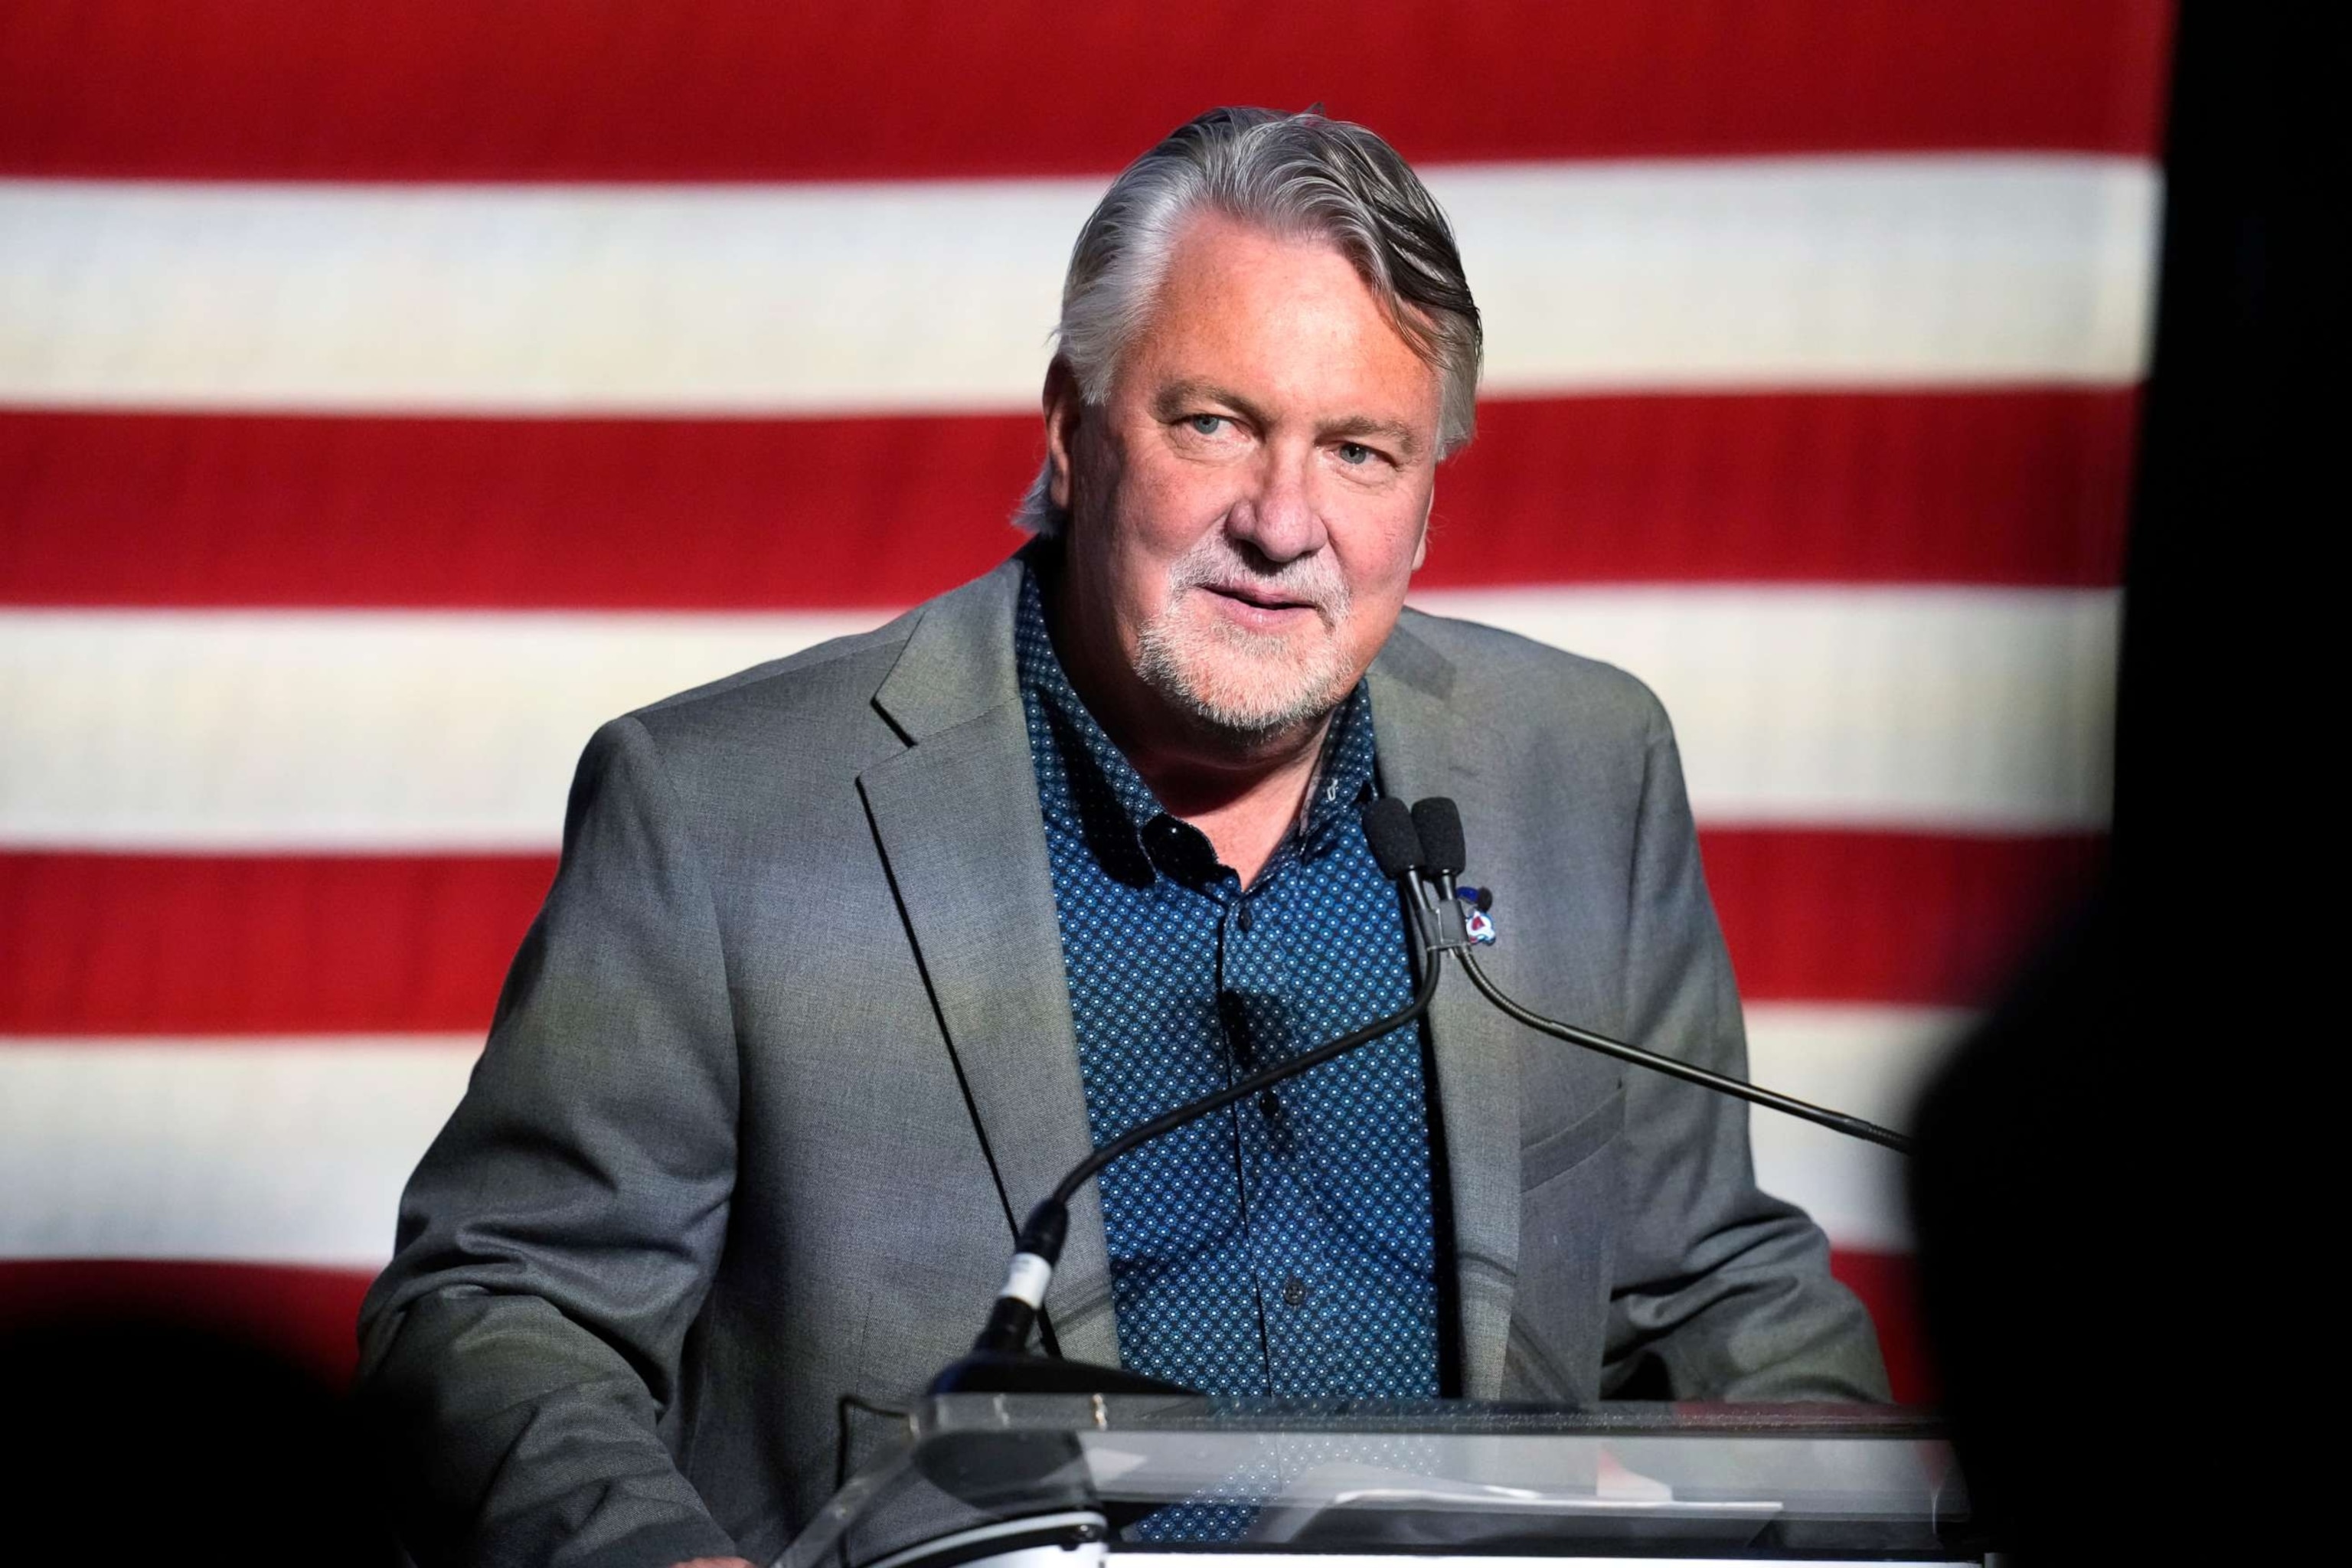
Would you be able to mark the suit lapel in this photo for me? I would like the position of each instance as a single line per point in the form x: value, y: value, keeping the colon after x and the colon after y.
x: 956, y: 818
x: 1424, y: 749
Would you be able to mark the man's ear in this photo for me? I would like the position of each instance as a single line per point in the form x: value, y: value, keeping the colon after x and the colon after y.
x: 1064, y: 406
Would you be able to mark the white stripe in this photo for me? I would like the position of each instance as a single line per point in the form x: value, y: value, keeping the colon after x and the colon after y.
x: 1871, y: 1062
x: 285, y: 1151
x: 1806, y: 272
x: 1969, y: 709
x: 295, y: 1151
x: 1769, y: 272
x: 335, y: 730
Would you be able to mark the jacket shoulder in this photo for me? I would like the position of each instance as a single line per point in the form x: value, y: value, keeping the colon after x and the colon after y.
x: 833, y: 683
x: 1510, y: 679
x: 825, y: 666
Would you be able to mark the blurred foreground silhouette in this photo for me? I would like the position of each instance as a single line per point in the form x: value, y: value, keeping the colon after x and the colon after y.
x: 2095, y: 1295
x: 134, y: 1434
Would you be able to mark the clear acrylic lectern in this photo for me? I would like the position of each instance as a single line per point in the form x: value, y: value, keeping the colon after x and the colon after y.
x: 977, y: 1480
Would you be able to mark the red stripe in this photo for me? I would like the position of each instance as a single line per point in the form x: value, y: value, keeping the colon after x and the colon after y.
x: 2015, y: 487
x: 743, y: 90
x: 105, y: 944
x: 312, y: 1314
x: 1888, y: 1285
x: 1847, y: 915
x: 294, y: 944
x: 2009, y: 486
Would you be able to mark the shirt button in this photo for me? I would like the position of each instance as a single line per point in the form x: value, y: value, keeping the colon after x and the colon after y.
x: 1242, y: 914
x: 1268, y: 1107
x: 1294, y: 1291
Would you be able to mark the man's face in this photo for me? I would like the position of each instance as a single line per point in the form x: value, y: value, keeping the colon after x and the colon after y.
x: 1250, y: 502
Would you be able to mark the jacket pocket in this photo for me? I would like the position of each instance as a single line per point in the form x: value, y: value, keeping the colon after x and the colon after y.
x: 1561, y: 1150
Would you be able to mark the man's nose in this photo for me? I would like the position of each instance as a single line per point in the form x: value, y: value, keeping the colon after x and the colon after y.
x: 1279, y: 517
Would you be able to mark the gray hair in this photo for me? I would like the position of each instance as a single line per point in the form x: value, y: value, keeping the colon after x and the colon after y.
x: 1294, y: 175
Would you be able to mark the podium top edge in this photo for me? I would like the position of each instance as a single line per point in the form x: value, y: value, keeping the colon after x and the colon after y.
x: 972, y: 1413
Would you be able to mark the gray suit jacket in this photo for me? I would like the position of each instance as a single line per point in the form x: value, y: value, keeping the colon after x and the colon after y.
x: 790, y: 1046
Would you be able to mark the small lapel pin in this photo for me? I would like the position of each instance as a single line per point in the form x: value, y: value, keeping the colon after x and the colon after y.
x: 1480, y: 925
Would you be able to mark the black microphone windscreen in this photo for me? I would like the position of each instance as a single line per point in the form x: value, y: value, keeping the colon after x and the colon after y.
x: 1388, y: 829
x: 1439, y: 823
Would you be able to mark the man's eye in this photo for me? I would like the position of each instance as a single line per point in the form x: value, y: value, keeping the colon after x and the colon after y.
x: 1355, y: 454
x: 1206, y: 424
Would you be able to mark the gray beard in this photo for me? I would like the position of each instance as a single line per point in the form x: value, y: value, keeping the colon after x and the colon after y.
x: 1281, y: 694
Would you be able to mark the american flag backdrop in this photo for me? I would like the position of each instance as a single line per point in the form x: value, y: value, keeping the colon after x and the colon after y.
x: 388, y: 394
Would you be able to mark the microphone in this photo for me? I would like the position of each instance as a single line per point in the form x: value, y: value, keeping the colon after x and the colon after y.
x: 1437, y: 821
x: 1393, y: 837
x: 999, y: 1361
x: 1443, y: 852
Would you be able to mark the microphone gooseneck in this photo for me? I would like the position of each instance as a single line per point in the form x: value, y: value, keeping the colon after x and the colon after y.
x: 1438, y: 823
x: 1396, y: 847
x: 1043, y: 1233
x: 1821, y: 1115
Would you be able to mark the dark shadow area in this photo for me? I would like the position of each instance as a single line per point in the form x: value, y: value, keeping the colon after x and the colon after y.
x: 133, y: 1435
x: 2092, y: 1289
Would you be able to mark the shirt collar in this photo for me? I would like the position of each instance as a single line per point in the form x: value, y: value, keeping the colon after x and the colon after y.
x: 1343, y: 773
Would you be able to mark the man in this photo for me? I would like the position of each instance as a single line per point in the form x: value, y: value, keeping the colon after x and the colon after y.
x: 852, y: 955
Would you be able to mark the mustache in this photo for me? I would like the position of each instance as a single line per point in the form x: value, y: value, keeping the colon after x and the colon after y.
x: 1313, y: 580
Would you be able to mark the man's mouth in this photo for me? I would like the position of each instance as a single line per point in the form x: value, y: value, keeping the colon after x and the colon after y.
x: 1261, y: 599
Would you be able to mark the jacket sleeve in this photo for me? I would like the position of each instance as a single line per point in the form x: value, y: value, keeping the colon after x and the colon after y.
x: 519, y: 1353
x: 1720, y: 1291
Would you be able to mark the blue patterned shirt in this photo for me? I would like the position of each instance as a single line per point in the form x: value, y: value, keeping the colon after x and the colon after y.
x: 1284, y: 1246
